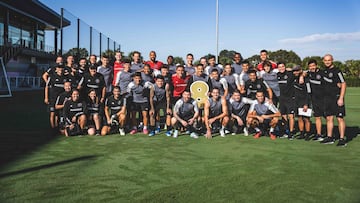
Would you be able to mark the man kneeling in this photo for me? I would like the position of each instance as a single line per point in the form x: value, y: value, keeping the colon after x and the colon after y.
x: 266, y: 113
x: 185, y: 114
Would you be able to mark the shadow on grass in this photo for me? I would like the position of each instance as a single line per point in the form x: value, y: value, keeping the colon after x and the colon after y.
x: 45, y: 166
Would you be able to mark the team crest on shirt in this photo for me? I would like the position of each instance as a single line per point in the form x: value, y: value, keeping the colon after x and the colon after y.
x: 330, y: 75
x: 258, y: 86
x: 285, y: 77
x: 97, y: 81
x: 318, y: 77
x: 79, y: 104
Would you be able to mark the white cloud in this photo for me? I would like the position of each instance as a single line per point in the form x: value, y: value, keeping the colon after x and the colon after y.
x: 351, y: 36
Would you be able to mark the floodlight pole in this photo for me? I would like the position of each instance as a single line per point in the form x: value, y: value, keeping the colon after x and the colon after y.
x: 217, y: 31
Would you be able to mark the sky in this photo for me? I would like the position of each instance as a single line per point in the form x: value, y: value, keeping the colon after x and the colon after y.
x: 179, y: 27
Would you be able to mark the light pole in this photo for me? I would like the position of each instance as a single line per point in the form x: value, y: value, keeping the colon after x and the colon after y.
x: 217, y: 31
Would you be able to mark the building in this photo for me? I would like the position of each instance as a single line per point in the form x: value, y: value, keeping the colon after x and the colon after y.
x: 22, y: 36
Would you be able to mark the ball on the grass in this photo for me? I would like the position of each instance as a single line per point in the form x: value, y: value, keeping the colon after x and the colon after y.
x: 91, y: 131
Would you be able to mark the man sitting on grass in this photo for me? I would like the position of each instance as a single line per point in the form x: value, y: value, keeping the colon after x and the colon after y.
x: 75, y: 115
x: 266, y: 114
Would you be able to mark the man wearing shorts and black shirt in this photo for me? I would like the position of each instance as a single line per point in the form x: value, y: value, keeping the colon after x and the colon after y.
x: 254, y: 85
x: 75, y: 115
x: 59, y: 105
x: 335, y: 87
x: 286, y: 98
x: 115, y: 113
x: 93, y: 80
x: 315, y: 77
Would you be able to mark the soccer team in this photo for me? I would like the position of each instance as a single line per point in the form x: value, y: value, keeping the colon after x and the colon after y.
x: 133, y: 96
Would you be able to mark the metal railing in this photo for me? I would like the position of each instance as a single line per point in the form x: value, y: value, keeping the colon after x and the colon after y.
x: 21, y: 82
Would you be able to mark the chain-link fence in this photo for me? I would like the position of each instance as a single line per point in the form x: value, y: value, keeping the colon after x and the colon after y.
x: 79, y: 39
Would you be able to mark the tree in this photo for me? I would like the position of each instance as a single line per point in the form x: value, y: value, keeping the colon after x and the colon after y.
x: 318, y: 59
x: 129, y: 56
x: 352, y: 68
x: 226, y: 56
x: 179, y: 60
x: 77, y: 53
x: 285, y: 56
x: 254, y: 60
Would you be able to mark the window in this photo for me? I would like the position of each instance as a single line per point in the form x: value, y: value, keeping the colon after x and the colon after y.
x: 1, y: 33
x: 14, y: 34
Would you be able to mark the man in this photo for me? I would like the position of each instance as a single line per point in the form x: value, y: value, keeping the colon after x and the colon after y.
x: 75, y: 115
x: 118, y: 65
x: 212, y: 65
x: 185, y: 114
x: 139, y: 90
x: 180, y: 81
x: 115, y: 113
x: 335, y: 87
x: 199, y: 75
x: 54, y: 87
x: 286, y: 98
x: 219, y: 83
x: 124, y: 77
x: 189, y: 66
x: 269, y: 75
x: 51, y: 70
x: 263, y: 57
x: 107, y: 71
x: 203, y: 61
x: 315, y: 77
x: 254, y: 85
x: 95, y: 113
x: 215, y: 113
x: 136, y: 64
x: 238, y: 110
x: 237, y: 66
x: 92, y: 60
x: 153, y: 63
x: 93, y: 80
x: 232, y: 80
x: 171, y: 65
x: 74, y: 76
x: 160, y: 100
x: 265, y: 113
x: 83, y: 68
x: 59, y: 105
x: 69, y: 64
x: 244, y: 76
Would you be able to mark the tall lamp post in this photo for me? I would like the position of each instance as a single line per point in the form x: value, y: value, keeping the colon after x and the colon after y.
x: 217, y: 31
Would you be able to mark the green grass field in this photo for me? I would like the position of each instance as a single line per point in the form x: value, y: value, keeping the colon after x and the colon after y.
x: 37, y: 167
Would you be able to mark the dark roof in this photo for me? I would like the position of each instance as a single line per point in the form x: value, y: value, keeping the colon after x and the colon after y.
x: 36, y: 10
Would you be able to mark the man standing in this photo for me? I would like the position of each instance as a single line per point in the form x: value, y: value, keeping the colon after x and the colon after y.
x: 107, y: 71
x: 263, y: 57
x: 189, y: 66
x: 180, y: 81
x: 118, y: 65
x: 237, y: 63
x: 136, y: 64
x: 335, y: 87
x: 153, y: 63
x: 93, y: 80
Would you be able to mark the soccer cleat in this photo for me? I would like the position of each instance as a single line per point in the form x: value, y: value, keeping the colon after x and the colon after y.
x: 341, y: 143
x: 168, y: 133
x: 328, y: 140
x: 133, y: 131
x: 272, y: 136
x: 176, y: 133
x: 122, y: 131
x: 157, y: 130
x: 152, y: 133
x: 307, y: 136
x: 246, y: 132
x: 145, y: 131
x: 257, y: 135
x: 194, y: 135
x: 290, y: 137
x: 222, y: 132
x: 301, y: 136
x: 318, y: 138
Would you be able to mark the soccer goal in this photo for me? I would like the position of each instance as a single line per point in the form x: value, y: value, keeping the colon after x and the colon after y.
x: 5, y: 90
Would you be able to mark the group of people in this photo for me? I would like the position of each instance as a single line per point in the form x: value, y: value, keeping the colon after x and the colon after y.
x: 132, y: 96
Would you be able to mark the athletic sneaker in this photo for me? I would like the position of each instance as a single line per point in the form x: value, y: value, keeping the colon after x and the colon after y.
x: 222, y: 133
x: 301, y: 136
x: 272, y: 136
x: 152, y: 133
x: 318, y: 138
x: 290, y: 137
x: 307, y: 136
x: 187, y: 132
x: 341, y: 143
x: 168, y: 133
x: 133, y: 131
x: 194, y: 135
x: 246, y: 132
x: 257, y: 135
x: 328, y: 140
x: 157, y: 130
x: 227, y: 131
x: 176, y: 133
x: 122, y: 131
x: 145, y: 131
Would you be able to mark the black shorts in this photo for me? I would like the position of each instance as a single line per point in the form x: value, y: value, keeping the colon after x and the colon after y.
x: 51, y: 105
x: 140, y: 106
x: 286, y: 106
x: 317, y: 107
x: 160, y: 105
x: 331, y: 107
